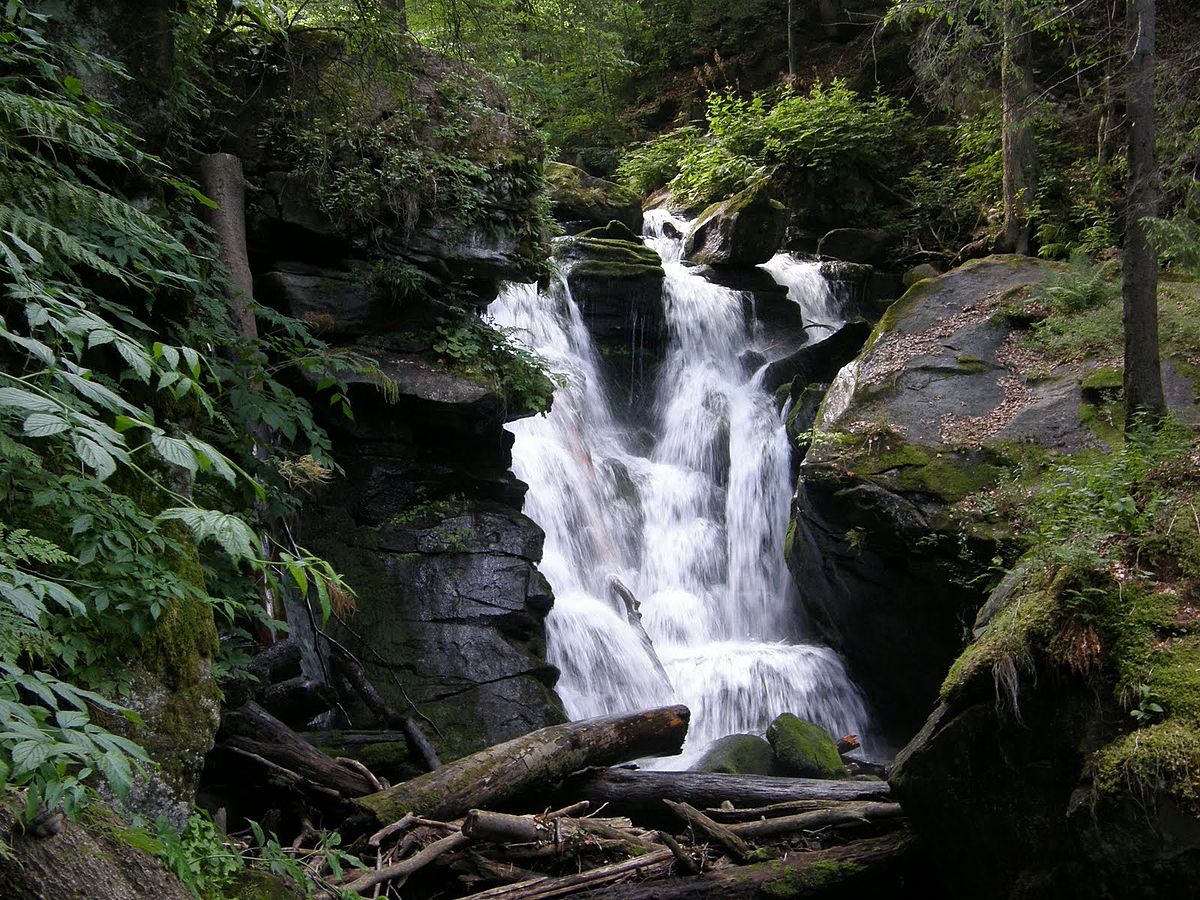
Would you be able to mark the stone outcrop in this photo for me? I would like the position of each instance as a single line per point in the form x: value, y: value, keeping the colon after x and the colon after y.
x: 1031, y: 777
x: 940, y: 404
x: 857, y: 245
x: 426, y: 525
x: 581, y: 200
x: 747, y: 229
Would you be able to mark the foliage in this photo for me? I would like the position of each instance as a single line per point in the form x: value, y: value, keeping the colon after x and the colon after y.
x: 118, y: 424
x: 647, y: 166
x: 829, y: 146
x: 479, y: 350
x: 1084, y: 285
x: 212, y: 865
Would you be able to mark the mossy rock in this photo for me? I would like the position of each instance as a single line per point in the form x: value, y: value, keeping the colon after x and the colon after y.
x: 804, y: 749
x: 738, y: 754
x: 747, y: 229
x: 581, y: 198
x: 253, y: 884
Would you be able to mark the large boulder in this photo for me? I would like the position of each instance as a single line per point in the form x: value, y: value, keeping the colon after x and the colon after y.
x: 618, y: 286
x: 1031, y: 777
x: 819, y: 361
x: 804, y: 749
x: 581, y: 200
x: 426, y: 525
x: 941, y: 404
x: 868, y: 246
x: 747, y: 229
x: 738, y: 754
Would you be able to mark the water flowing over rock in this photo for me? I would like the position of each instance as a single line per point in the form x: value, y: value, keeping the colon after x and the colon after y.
x: 686, y: 505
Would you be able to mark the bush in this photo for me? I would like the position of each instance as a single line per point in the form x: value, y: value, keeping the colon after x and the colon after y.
x: 830, y: 146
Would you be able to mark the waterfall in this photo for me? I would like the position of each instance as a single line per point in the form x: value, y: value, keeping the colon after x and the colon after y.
x: 667, y: 563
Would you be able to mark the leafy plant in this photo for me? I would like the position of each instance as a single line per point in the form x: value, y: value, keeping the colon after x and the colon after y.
x: 1084, y: 285
x: 480, y: 350
x: 1148, y: 706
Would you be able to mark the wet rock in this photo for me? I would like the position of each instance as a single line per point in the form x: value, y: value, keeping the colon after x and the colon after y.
x: 746, y: 229
x: 334, y: 301
x: 738, y: 754
x: 581, y: 200
x: 820, y: 361
x: 617, y: 231
x: 857, y: 245
x: 804, y: 749
x: 618, y: 286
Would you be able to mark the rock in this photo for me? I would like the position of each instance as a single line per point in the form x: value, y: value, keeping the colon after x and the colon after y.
x: 333, y: 301
x: 857, y: 245
x: 1006, y: 776
x: 919, y: 273
x: 820, y: 361
x: 738, y: 754
x: 582, y: 200
x: 806, y: 400
x: 82, y: 862
x: 746, y: 229
x: 868, y: 493
x: 803, y: 749
x: 617, y: 231
x: 618, y: 286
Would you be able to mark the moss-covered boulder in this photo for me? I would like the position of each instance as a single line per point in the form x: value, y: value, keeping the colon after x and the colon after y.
x: 857, y: 245
x: 1064, y: 759
x: 804, y: 749
x: 738, y: 754
x: 747, y: 229
x: 581, y: 200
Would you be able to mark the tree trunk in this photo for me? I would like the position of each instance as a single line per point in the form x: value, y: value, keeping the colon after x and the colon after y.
x: 528, y: 763
x: 792, y: 51
x: 1143, y: 376
x: 222, y: 180
x: 1017, y: 136
x: 875, y: 867
x: 639, y: 794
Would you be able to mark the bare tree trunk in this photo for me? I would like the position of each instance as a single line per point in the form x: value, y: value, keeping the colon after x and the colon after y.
x: 222, y: 180
x: 791, y: 39
x: 1143, y: 377
x: 1017, y: 136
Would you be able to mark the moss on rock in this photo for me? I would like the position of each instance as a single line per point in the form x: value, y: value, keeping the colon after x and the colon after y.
x: 804, y: 749
x: 738, y: 754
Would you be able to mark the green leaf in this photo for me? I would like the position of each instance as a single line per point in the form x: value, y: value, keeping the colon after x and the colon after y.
x: 44, y: 425
x: 18, y: 398
x: 94, y: 456
x: 175, y: 451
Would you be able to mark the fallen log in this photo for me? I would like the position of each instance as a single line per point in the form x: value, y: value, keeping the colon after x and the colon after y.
x: 545, y: 887
x: 252, y: 730
x: 639, y: 794
x: 500, y: 773
x: 297, y: 700
x: 735, y: 848
x: 867, y: 868
x: 728, y: 814
x: 851, y: 813
x: 400, y: 872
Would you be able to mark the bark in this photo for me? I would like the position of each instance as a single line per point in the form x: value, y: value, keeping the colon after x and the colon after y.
x: 1017, y: 139
x: 868, y: 868
x: 792, y: 49
x: 639, y: 794
x: 254, y: 731
x: 543, y: 888
x: 852, y: 813
x: 418, y: 745
x: 734, y: 847
x: 1143, y: 375
x: 400, y: 872
x: 222, y: 181
x: 534, y: 761
x: 297, y: 700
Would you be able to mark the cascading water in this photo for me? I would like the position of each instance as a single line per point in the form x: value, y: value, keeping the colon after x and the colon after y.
x: 668, y: 566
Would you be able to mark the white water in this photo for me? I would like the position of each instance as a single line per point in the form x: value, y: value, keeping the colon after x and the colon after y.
x: 693, y: 529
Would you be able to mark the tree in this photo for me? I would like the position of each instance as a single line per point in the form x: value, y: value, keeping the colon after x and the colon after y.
x: 1143, y: 376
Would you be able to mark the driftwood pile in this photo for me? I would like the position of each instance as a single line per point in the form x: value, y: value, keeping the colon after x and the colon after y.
x: 545, y: 815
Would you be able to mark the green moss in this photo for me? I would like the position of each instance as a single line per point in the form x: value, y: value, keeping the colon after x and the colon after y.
x: 1143, y: 762
x: 804, y: 748
x: 738, y: 754
x: 971, y: 365
x: 1174, y: 677
x: 823, y: 873
x: 1103, y: 379
x: 614, y: 269
x: 887, y: 457
x: 1026, y: 622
